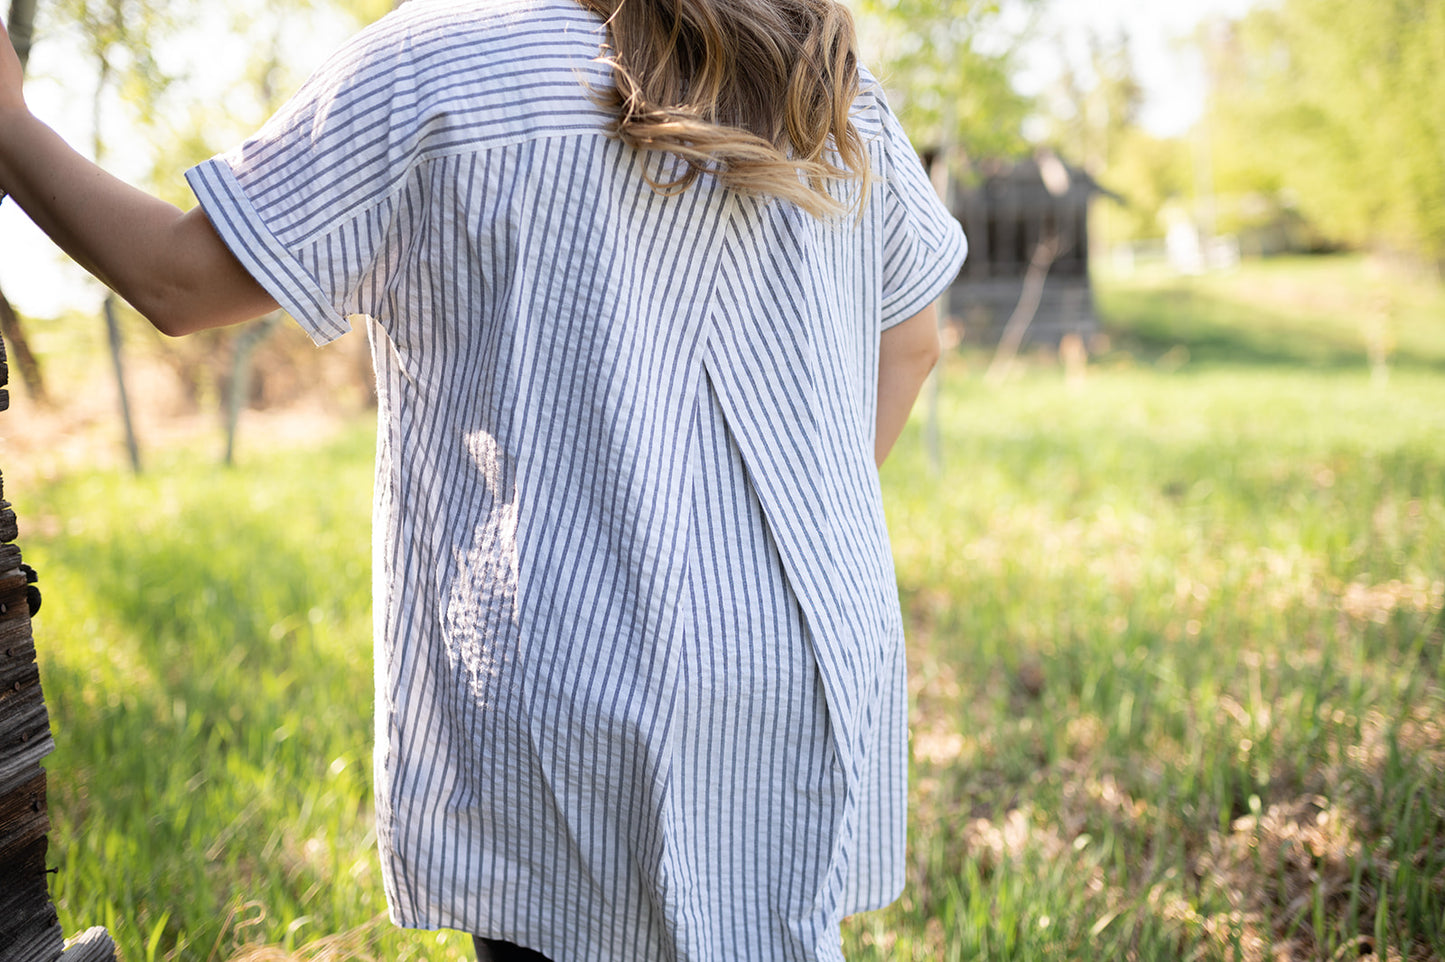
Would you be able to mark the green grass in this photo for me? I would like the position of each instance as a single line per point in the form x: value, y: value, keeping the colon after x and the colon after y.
x: 206, y: 655
x: 1312, y: 311
x: 1176, y: 645
x: 1177, y: 652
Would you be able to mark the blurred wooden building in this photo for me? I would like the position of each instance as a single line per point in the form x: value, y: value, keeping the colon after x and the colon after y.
x: 1017, y: 214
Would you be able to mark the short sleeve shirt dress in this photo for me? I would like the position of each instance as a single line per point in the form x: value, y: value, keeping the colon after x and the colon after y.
x: 639, y: 665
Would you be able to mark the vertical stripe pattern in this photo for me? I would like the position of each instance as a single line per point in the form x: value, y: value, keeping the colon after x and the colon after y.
x: 639, y: 668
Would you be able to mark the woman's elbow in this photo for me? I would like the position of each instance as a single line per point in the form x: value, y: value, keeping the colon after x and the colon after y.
x: 921, y: 352
x: 199, y: 284
x: 171, y: 325
x: 913, y: 345
x: 930, y: 351
x: 166, y: 309
x: 178, y: 309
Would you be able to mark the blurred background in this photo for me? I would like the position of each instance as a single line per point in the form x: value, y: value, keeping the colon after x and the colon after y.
x: 1169, y: 520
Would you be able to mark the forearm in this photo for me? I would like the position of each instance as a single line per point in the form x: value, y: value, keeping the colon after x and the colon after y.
x: 907, y: 352
x: 169, y: 265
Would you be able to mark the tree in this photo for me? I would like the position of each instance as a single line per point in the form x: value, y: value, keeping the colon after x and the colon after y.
x: 1337, y: 104
x: 1094, y: 106
x: 1092, y: 113
x: 948, y: 66
x: 120, y: 32
x: 1148, y: 172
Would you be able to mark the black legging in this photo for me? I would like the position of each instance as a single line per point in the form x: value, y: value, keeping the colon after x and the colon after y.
x: 491, y: 950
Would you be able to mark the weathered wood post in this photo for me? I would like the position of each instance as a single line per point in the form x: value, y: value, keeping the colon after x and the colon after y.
x: 29, y: 927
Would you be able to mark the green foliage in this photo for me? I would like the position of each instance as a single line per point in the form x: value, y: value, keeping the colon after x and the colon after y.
x: 1147, y: 172
x: 948, y: 67
x: 166, y: 90
x: 1092, y: 113
x: 1094, y: 105
x: 164, y: 94
x: 1334, y: 105
x: 118, y: 38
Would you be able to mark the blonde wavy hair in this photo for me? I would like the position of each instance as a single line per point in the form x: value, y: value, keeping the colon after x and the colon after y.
x: 754, y: 92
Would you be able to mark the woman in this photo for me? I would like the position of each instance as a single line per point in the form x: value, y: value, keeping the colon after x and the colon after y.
x: 648, y: 289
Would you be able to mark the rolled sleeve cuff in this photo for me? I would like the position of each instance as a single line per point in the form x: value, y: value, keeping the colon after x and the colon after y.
x: 273, y: 266
x: 932, y: 278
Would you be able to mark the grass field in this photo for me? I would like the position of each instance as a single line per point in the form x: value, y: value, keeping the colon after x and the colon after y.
x: 1175, y: 633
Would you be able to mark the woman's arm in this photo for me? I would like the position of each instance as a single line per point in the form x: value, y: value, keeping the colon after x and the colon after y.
x: 171, y: 266
x: 906, y: 353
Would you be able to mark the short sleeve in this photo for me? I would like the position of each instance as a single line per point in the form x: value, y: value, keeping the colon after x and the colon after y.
x: 309, y: 204
x: 923, y: 244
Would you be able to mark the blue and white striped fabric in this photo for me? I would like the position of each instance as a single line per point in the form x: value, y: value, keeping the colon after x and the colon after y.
x: 639, y: 658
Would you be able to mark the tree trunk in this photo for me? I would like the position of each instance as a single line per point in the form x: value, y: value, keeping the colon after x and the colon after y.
x: 25, y: 360
x: 112, y: 326
x: 940, y: 175
x: 22, y: 28
x: 240, y: 385
x: 1027, y: 307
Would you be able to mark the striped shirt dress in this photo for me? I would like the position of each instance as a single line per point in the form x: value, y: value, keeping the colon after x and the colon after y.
x: 639, y: 657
